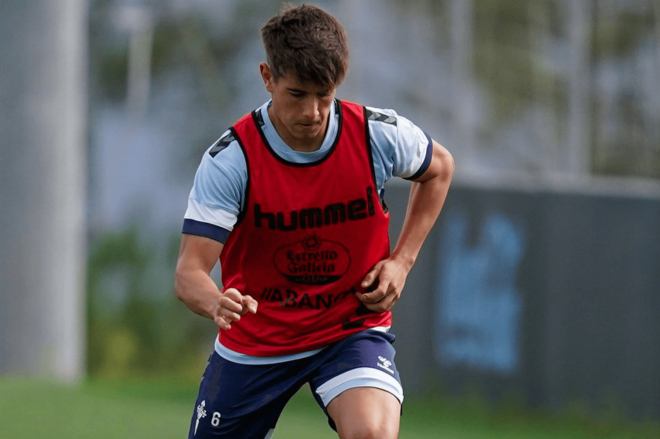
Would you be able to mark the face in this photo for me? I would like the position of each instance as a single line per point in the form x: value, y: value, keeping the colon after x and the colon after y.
x: 299, y: 111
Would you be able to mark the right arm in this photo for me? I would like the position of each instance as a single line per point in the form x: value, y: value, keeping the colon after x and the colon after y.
x: 213, y: 204
x: 195, y: 287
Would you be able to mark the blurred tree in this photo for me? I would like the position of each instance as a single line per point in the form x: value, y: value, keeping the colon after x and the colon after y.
x: 626, y: 94
x: 519, y: 55
x: 582, y: 78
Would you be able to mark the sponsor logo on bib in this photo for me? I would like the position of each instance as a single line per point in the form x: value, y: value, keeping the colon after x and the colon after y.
x: 313, y: 261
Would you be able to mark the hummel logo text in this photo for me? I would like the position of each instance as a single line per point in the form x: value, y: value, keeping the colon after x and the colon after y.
x: 384, y: 363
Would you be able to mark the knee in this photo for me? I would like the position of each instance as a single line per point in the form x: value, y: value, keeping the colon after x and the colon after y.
x: 366, y: 413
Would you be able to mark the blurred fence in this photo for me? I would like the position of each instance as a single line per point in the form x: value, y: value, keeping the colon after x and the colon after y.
x: 546, y: 295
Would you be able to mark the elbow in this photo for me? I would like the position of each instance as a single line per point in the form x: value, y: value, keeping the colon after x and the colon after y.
x: 179, y: 290
x: 448, y: 165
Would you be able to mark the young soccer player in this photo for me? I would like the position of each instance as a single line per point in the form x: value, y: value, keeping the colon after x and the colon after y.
x: 291, y: 200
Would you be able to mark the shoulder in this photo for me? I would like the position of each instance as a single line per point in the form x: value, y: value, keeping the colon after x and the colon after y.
x: 227, y: 139
x: 383, y: 127
x: 381, y: 116
x: 224, y: 154
x: 400, y: 140
x: 388, y: 121
x: 222, y: 174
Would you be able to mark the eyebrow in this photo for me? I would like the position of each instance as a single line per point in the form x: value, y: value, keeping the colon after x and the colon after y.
x: 297, y: 90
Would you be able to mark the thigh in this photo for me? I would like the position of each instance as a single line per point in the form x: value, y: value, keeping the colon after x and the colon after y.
x: 241, y: 401
x: 355, y: 377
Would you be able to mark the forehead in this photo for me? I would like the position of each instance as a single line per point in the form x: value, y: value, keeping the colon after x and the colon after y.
x: 290, y: 81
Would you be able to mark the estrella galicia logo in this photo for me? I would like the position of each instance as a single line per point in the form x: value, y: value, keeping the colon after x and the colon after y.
x: 313, y: 261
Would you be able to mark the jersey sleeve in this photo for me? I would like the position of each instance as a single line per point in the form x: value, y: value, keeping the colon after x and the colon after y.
x: 218, y: 190
x: 399, y: 147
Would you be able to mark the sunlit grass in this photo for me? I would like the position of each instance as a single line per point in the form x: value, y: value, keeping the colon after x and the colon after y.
x: 162, y: 409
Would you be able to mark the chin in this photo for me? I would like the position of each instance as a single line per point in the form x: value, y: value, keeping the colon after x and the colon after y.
x: 308, y: 134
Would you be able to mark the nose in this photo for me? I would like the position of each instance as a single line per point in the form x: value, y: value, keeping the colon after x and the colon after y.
x: 311, y: 108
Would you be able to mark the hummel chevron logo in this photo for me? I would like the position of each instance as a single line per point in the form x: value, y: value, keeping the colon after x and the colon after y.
x: 380, y: 117
x: 259, y: 117
x: 221, y: 144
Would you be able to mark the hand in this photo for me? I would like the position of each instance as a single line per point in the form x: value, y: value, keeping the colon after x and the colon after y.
x: 384, y: 284
x: 231, y: 306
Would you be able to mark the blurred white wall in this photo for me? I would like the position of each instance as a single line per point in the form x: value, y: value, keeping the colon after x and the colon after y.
x: 43, y: 91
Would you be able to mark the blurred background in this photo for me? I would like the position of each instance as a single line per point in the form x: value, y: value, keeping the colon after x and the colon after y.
x: 539, y: 284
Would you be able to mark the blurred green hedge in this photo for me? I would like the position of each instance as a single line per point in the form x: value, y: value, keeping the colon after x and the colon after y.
x: 136, y: 324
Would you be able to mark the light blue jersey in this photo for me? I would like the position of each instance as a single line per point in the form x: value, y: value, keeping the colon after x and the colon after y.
x: 399, y: 148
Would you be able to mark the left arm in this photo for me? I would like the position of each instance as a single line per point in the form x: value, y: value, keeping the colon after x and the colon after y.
x: 427, y: 196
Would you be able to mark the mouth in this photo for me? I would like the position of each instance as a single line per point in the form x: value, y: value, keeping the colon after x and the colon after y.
x: 309, y: 126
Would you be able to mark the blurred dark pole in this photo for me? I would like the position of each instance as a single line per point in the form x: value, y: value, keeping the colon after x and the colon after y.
x: 43, y: 94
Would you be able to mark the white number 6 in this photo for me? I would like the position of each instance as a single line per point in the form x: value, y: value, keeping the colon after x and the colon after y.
x: 215, y: 420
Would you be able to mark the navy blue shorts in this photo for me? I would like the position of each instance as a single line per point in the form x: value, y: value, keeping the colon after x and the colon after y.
x: 245, y: 401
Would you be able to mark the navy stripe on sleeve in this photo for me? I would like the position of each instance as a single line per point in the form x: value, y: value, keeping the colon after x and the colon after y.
x: 427, y: 159
x: 192, y: 227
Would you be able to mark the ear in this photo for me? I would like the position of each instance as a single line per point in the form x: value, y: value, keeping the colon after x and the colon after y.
x: 267, y: 76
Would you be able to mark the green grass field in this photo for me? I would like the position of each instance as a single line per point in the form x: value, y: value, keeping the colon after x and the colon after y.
x: 161, y: 409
